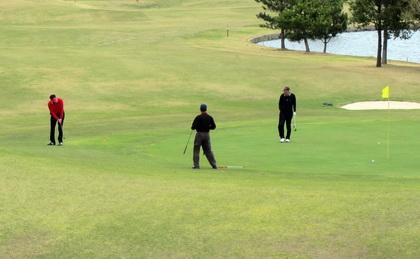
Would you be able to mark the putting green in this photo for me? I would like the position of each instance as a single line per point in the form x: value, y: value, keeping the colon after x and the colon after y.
x: 132, y: 77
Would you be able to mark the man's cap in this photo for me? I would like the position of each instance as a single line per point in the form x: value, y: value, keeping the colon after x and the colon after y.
x: 203, y: 107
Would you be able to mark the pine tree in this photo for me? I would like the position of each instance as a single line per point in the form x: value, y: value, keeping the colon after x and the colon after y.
x: 273, y: 11
x: 331, y: 21
x: 390, y: 18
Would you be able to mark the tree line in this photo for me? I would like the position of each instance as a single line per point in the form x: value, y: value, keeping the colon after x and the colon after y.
x: 304, y: 20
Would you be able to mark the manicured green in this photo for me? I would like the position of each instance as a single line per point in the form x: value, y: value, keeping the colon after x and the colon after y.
x: 133, y: 76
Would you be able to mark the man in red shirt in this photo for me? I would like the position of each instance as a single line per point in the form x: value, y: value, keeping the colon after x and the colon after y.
x: 56, y: 107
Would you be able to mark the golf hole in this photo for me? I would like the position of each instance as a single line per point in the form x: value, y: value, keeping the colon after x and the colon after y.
x: 381, y: 105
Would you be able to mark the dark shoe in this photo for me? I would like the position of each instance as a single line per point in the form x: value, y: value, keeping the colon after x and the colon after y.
x: 215, y: 167
x: 51, y: 144
x: 196, y: 168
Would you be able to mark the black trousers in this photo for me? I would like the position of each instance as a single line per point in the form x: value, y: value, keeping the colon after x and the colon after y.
x: 53, y: 122
x: 202, y: 139
x: 285, y: 119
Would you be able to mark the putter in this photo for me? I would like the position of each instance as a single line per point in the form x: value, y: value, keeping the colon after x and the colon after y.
x: 294, y: 123
x: 188, y: 142
x: 62, y: 128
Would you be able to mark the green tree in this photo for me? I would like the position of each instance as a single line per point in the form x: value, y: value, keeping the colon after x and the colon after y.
x: 273, y: 10
x: 415, y: 11
x: 397, y: 23
x: 314, y: 19
x: 390, y: 18
x: 298, y: 20
x: 367, y: 12
x: 331, y: 20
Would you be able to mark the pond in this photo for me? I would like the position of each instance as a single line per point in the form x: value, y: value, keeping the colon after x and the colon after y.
x: 363, y: 44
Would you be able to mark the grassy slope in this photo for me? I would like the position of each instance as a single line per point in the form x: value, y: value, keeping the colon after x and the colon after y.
x: 132, y: 77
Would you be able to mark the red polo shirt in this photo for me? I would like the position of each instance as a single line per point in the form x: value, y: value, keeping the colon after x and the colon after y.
x: 56, y: 109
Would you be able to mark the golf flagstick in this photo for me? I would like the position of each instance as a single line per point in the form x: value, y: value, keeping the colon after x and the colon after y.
x: 188, y: 142
x: 386, y: 95
x: 388, y: 144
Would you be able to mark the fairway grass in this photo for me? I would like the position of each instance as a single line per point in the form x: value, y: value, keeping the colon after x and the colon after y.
x: 133, y: 76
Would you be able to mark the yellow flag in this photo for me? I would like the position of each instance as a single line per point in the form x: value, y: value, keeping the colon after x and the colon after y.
x: 385, y: 92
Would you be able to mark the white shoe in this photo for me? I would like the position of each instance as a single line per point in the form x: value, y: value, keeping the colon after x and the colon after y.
x: 282, y: 140
x: 287, y: 140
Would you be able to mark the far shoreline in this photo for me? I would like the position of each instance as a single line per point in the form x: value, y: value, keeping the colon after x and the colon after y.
x: 276, y: 36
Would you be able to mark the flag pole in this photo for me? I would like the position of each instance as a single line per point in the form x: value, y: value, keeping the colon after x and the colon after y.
x: 386, y: 95
x: 388, y: 148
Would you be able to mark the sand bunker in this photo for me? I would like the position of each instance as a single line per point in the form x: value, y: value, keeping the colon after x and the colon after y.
x: 381, y: 105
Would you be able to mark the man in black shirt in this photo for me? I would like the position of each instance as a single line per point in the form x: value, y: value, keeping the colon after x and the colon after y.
x: 287, y: 107
x: 203, y: 123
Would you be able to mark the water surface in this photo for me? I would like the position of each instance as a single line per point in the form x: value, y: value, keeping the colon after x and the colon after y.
x: 363, y: 44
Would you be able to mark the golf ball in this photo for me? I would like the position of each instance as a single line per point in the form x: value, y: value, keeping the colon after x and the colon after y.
x: 373, y: 161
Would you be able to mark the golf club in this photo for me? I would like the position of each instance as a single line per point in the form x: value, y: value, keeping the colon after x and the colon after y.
x: 62, y: 128
x: 188, y: 142
x: 294, y: 122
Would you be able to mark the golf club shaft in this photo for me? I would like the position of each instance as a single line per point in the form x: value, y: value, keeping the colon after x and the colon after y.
x: 188, y: 142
